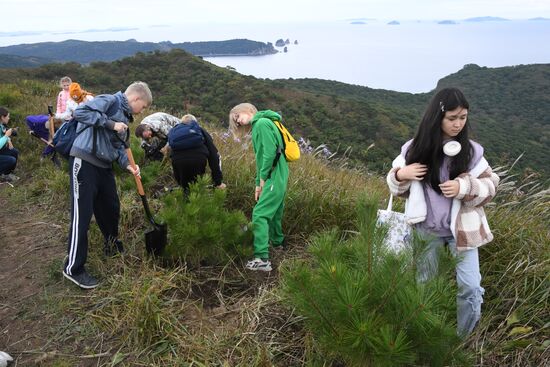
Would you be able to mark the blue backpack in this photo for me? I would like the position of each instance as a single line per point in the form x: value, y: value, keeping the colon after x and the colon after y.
x: 185, y: 136
x: 65, y: 136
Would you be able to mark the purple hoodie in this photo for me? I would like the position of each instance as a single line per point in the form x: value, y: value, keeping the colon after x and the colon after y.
x: 438, y: 216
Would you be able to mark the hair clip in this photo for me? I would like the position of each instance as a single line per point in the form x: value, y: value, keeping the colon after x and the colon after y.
x: 441, y: 106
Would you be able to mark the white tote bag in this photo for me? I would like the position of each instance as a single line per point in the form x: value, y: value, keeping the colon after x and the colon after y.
x: 399, y: 231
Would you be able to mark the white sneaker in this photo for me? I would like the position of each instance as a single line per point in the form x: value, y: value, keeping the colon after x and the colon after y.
x: 5, y: 358
x: 259, y: 264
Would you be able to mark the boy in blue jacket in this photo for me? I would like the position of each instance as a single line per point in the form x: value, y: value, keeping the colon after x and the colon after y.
x: 102, y: 139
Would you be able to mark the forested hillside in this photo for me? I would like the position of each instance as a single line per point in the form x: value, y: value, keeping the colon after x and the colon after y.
x: 16, y: 61
x: 85, y: 52
x: 510, y: 111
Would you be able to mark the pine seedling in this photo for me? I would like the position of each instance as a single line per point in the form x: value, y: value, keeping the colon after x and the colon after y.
x: 362, y: 302
x: 201, y: 229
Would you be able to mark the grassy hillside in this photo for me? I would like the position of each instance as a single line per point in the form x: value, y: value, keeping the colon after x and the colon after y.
x: 509, y: 106
x: 166, y: 314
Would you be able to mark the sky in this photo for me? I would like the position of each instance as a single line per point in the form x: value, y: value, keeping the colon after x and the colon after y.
x: 78, y: 15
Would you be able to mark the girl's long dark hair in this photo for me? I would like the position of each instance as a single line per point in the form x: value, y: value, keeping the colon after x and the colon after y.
x: 427, y: 146
x: 3, y: 112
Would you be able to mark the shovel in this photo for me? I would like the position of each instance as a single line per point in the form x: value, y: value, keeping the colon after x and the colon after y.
x: 157, y: 237
x: 54, y: 156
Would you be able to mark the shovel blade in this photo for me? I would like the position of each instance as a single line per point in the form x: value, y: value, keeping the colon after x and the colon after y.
x: 156, y: 239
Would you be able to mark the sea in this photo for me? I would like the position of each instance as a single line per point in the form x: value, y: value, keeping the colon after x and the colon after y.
x: 408, y: 57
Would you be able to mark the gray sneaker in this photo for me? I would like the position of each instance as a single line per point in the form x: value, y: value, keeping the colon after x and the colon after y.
x: 83, y: 280
x: 10, y: 177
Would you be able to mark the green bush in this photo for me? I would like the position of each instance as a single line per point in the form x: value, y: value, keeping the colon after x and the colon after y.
x: 200, y: 228
x: 362, y: 303
x: 9, y: 96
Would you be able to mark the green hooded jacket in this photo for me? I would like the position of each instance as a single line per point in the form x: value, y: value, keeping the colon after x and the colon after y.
x: 265, y: 139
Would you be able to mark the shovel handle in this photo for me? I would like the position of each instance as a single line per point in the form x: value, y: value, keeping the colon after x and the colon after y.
x: 51, y: 128
x: 43, y: 140
x: 141, y: 192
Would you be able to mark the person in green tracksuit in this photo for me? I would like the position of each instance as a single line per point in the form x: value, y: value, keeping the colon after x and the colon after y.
x: 271, y: 179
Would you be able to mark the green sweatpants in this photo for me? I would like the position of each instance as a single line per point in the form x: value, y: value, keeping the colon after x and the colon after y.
x: 267, y: 216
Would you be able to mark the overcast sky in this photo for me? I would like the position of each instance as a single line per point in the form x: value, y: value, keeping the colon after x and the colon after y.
x: 47, y: 15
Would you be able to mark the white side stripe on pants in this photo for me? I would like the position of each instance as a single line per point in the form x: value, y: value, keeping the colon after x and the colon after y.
x: 77, y: 164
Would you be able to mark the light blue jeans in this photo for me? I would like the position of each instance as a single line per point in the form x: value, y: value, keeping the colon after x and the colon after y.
x: 468, y: 278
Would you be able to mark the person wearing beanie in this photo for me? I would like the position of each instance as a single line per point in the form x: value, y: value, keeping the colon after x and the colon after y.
x: 77, y: 96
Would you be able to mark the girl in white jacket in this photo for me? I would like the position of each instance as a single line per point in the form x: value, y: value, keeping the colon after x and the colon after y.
x: 447, y: 181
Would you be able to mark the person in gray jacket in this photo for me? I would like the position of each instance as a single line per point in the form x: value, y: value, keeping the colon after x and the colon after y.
x: 102, y: 139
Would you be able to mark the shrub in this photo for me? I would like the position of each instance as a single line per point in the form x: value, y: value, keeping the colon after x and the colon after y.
x: 9, y: 96
x: 200, y: 228
x: 362, y: 303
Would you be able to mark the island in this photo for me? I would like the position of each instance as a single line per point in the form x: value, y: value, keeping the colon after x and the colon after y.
x: 447, y: 22
x: 486, y: 19
x: 85, y: 52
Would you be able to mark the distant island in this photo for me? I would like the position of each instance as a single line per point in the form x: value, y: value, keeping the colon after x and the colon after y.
x: 539, y: 19
x: 447, y: 22
x: 280, y: 43
x: 394, y: 22
x: 358, y: 22
x: 486, y: 19
x: 84, y: 52
x: 360, y: 19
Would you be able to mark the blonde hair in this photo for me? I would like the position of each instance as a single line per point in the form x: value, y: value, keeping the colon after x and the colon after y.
x: 234, y: 128
x: 140, y: 89
x: 65, y: 79
x: 188, y: 118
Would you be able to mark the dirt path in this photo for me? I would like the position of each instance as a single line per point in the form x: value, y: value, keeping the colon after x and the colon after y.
x: 29, y: 249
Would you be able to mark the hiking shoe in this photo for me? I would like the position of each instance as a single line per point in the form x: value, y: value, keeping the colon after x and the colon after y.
x: 112, y: 248
x: 56, y: 161
x: 83, y: 280
x: 259, y: 264
x: 10, y: 177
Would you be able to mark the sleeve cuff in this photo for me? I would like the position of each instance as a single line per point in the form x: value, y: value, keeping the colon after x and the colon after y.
x: 463, y: 188
x: 110, y: 125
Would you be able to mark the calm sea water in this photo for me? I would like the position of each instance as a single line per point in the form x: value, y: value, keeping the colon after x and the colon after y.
x: 410, y: 57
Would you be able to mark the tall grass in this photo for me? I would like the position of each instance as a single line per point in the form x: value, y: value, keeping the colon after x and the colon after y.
x: 515, y: 326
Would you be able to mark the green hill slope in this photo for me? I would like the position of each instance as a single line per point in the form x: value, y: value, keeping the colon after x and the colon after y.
x: 509, y: 106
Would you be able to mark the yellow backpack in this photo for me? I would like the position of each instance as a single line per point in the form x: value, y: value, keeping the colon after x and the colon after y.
x: 290, y: 146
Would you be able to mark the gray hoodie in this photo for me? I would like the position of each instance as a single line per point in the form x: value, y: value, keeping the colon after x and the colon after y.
x: 97, y: 118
